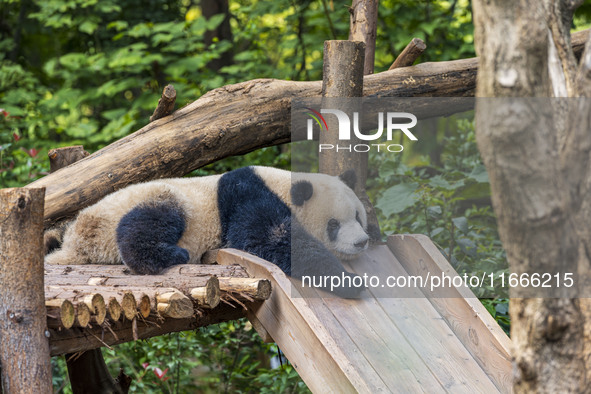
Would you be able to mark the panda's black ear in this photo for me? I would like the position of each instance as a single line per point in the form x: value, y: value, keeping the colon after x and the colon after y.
x: 349, y: 178
x: 301, y: 192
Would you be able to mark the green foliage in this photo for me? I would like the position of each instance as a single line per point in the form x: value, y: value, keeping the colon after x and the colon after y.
x: 227, y: 357
x: 449, y: 202
x: 445, y: 26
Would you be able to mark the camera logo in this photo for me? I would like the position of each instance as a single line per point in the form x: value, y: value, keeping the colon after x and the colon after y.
x: 392, y: 120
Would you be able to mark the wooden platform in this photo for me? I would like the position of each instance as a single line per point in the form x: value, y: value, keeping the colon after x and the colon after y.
x: 419, y: 343
x: 90, y: 306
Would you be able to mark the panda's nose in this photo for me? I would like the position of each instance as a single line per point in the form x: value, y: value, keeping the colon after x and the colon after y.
x: 361, y: 244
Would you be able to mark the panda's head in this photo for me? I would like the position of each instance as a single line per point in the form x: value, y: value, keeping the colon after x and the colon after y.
x: 329, y: 210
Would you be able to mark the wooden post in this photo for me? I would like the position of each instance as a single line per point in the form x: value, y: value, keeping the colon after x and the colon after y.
x: 343, y: 78
x: 24, y: 346
x: 63, y: 157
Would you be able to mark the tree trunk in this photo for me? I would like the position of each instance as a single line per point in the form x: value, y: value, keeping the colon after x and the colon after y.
x: 89, y: 374
x: 24, y: 347
x: 539, y: 189
x: 363, y: 27
x: 210, y: 8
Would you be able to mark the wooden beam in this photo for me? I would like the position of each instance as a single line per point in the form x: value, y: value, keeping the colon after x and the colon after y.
x: 78, y: 273
x: 24, y: 350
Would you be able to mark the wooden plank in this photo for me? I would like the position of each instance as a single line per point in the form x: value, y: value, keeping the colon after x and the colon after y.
x: 121, y: 271
x: 422, y: 326
x: 301, y: 336
x: 458, y: 306
x: 386, y: 369
x: 381, y: 346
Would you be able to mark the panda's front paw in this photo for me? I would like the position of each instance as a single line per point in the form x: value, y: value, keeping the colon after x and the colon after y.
x: 351, y: 286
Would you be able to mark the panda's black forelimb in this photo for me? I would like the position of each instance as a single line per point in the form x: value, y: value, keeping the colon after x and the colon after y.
x: 147, y: 237
x: 309, y: 257
x: 255, y: 220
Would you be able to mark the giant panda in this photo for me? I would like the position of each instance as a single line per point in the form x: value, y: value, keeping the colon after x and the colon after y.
x: 298, y: 220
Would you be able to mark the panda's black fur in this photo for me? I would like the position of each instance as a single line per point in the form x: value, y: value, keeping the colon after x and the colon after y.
x: 147, y: 237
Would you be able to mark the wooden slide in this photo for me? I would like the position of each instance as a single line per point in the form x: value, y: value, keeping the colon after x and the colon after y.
x: 441, y: 341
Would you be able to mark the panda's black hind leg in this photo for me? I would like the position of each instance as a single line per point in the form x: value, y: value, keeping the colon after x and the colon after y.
x: 147, y: 237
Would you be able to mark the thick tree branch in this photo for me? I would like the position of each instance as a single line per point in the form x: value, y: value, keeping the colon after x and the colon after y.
x: 409, y: 54
x: 165, y: 104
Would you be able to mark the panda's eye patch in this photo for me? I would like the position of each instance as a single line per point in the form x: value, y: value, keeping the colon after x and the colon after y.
x: 358, y: 218
x: 332, y: 228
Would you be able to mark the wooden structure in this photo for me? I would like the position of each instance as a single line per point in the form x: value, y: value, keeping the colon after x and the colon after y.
x: 420, y: 343
x: 89, y: 306
x: 435, y: 341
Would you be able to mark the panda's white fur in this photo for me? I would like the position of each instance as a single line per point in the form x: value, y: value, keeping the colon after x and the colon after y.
x: 93, y: 237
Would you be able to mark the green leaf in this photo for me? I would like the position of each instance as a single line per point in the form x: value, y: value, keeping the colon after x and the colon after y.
x: 503, y: 309
x: 438, y: 182
x: 118, y: 25
x: 160, y: 38
x: 476, y: 190
x: 140, y: 30
x: 479, y: 174
x: 434, y: 211
x: 461, y: 223
x: 466, y: 244
x: 436, y: 231
x: 215, y: 21
x: 397, y: 198
x: 88, y: 27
